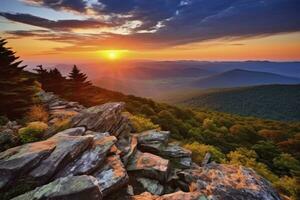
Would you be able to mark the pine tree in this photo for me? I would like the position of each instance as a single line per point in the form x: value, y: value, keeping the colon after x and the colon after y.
x: 51, y: 80
x: 78, y: 84
x: 17, y: 87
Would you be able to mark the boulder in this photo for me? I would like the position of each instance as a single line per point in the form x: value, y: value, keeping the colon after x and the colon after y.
x: 112, y: 176
x: 128, y: 147
x: 149, y: 166
x: 173, y: 196
x: 153, y: 136
x: 18, y: 161
x: 229, y: 182
x: 184, y: 196
x: 92, y: 158
x: 151, y: 186
x: 68, y: 147
x: 104, y: 118
x: 67, y: 188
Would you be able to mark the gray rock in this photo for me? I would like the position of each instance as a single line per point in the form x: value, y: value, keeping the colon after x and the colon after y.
x: 153, y: 136
x: 18, y: 161
x: 92, y: 158
x: 67, y: 188
x: 104, y: 118
x: 128, y: 147
x: 229, y: 182
x: 112, y: 176
x: 151, y: 186
x: 173, y: 196
x: 68, y: 147
x: 149, y: 166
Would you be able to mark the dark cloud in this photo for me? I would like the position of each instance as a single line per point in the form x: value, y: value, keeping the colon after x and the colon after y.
x: 50, y: 24
x: 175, y: 22
x: 72, y: 5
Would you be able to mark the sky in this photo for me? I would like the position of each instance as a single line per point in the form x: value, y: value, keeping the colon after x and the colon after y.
x: 96, y: 30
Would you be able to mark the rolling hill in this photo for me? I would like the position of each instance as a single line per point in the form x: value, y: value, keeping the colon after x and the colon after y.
x: 239, y: 77
x: 279, y: 102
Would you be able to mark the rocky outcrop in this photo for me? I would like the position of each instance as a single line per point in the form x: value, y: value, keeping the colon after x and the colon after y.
x: 149, y: 165
x: 73, y: 188
x: 98, y: 158
x: 230, y: 182
x: 107, y: 117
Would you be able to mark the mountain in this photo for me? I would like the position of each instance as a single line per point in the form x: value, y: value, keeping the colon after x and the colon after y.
x: 97, y: 157
x: 279, y: 102
x: 239, y: 77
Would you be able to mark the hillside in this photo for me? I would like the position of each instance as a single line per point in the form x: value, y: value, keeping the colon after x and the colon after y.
x: 238, y: 77
x: 279, y: 102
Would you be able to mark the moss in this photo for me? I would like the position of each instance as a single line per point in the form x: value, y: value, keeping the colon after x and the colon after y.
x: 32, y: 132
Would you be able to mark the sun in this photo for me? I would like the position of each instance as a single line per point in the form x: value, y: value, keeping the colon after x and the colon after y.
x: 112, y: 54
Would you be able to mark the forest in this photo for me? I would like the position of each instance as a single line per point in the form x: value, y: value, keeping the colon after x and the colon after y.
x: 271, y: 148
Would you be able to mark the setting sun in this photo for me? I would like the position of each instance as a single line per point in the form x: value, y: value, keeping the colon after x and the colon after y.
x: 112, y: 54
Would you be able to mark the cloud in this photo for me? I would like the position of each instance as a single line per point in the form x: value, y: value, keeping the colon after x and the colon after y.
x: 72, y: 5
x: 54, y: 25
x: 165, y: 23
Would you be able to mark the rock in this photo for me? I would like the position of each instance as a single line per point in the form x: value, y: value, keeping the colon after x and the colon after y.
x: 184, y: 196
x: 206, y: 159
x: 18, y: 161
x: 149, y: 166
x: 67, y: 188
x: 112, y: 176
x: 179, y: 156
x: 92, y: 158
x: 151, y: 186
x: 229, y: 182
x: 173, y: 196
x: 104, y: 118
x: 67, y: 148
x: 153, y: 136
x: 128, y: 147
x: 78, y: 131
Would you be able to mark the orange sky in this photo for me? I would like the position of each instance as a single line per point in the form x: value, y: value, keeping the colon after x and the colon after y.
x: 81, y: 31
x: 281, y: 47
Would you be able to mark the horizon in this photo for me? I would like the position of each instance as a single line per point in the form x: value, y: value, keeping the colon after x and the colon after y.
x: 118, y: 32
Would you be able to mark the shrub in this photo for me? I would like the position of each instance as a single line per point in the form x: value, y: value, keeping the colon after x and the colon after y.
x: 199, y: 151
x: 288, y: 186
x: 141, y: 124
x: 61, y: 125
x: 247, y: 158
x: 37, y: 113
x: 32, y: 132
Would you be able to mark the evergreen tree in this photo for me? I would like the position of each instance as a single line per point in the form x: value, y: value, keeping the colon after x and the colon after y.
x: 51, y: 80
x: 78, y: 84
x: 17, y: 87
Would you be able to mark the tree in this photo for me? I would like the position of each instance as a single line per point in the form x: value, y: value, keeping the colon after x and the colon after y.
x: 51, y: 80
x: 17, y: 87
x: 78, y: 84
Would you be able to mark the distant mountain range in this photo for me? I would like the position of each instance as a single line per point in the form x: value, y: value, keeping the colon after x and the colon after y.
x: 279, y: 102
x: 239, y: 77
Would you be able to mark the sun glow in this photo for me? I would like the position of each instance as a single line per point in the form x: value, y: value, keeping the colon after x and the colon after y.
x: 112, y: 54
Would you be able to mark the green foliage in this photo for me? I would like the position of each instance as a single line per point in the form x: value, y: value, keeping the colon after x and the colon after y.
x: 219, y: 133
x: 286, y: 164
x: 289, y: 186
x: 61, y: 125
x: 266, y: 151
x: 32, y: 132
x: 199, y: 151
x: 277, y: 102
x: 246, y: 157
x: 17, y: 87
x: 141, y: 124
